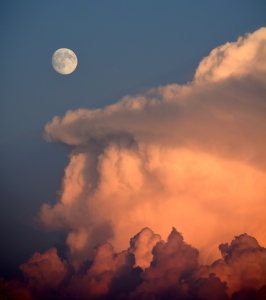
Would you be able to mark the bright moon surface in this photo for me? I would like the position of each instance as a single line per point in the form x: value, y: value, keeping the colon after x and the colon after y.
x: 64, y: 61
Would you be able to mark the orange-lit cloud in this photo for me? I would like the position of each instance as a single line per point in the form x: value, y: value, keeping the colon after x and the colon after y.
x: 174, y: 273
x: 243, y: 264
x: 190, y: 156
x: 44, y: 270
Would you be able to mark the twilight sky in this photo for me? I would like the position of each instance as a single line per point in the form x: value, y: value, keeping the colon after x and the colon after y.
x: 161, y: 125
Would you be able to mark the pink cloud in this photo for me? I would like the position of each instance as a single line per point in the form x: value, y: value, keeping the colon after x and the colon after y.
x: 190, y: 156
x: 174, y: 272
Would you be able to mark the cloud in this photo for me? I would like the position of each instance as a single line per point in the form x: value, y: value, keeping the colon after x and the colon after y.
x: 45, y: 273
x: 174, y: 273
x: 235, y: 60
x: 14, y: 289
x: 173, y: 262
x: 106, y: 269
x: 141, y: 246
x: 243, y: 264
x: 190, y: 156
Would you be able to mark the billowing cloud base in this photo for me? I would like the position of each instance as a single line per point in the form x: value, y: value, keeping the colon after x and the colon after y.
x: 174, y: 272
x: 190, y: 156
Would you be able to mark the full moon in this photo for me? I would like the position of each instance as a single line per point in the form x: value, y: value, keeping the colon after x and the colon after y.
x: 64, y: 61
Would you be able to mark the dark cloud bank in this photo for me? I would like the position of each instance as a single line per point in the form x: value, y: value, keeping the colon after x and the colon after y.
x: 174, y: 273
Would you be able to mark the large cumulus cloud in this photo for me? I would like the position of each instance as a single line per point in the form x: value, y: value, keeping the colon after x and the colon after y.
x: 190, y: 156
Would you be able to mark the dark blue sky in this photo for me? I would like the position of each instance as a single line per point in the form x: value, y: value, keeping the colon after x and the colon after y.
x: 123, y: 47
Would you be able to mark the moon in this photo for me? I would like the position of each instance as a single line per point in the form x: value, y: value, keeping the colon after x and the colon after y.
x: 64, y: 61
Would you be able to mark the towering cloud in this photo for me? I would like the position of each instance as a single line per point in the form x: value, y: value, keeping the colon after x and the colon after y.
x: 190, y: 156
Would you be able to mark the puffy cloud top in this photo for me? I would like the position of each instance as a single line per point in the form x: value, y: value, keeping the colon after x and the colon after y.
x: 236, y: 60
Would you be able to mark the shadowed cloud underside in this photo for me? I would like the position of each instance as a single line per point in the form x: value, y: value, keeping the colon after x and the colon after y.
x: 174, y: 273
